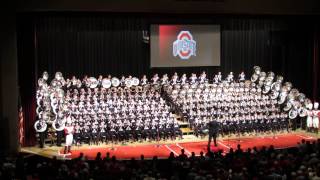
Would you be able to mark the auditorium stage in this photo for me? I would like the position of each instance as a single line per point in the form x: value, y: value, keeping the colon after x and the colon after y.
x: 162, y: 149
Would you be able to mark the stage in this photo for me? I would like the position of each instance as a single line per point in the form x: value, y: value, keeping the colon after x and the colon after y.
x: 162, y: 149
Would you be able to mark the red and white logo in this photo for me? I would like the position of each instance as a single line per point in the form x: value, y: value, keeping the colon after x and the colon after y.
x: 184, y: 46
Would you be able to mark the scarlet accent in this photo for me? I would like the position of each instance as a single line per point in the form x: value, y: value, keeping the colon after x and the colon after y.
x: 21, y: 127
x: 184, y: 35
x: 185, y: 53
x: 180, y: 38
x: 165, y: 32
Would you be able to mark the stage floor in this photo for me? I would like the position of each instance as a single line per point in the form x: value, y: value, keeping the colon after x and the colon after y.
x: 162, y: 149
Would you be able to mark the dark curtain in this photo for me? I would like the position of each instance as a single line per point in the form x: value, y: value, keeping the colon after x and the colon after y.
x: 316, y: 64
x: 27, y: 75
x: 107, y: 43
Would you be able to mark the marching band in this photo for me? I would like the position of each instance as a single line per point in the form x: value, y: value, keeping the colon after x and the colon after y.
x: 110, y: 109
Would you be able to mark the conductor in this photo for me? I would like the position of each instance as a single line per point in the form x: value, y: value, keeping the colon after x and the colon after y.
x: 214, y: 127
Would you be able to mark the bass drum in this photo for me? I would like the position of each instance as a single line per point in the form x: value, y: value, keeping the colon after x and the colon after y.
x: 106, y: 83
x: 115, y: 82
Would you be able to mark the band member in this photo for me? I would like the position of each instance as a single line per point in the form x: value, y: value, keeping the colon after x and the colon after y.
x: 41, y: 127
x: 214, y: 128
x: 164, y: 79
x: 242, y: 77
x: 193, y: 78
x: 69, y: 136
x: 183, y: 79
x: 155, y: 79
x: 217, y: 78
x: 174, y: 79
x: 230, y: 77
x: 309, y: 117
x: 203, y: 77
x: 144, y: 80
x: 58, y: 126
x: 59, y: 137
x: 315, y: 120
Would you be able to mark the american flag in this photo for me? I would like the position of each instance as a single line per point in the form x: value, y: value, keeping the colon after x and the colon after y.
x: 21, y: 127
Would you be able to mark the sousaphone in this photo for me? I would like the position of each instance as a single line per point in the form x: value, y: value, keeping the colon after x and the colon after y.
x: 106, y: 83
x: 115, y: 82
x: 93, y: 82
x: 40, y: 126
x: 135, y: 81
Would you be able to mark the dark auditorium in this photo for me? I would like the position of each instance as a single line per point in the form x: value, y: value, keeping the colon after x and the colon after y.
x: 160, y: 90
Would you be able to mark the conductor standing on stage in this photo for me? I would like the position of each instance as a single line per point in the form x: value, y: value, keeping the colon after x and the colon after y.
x: 214, y: 127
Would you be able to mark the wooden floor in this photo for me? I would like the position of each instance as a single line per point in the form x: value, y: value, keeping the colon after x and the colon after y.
x: 51, y: 151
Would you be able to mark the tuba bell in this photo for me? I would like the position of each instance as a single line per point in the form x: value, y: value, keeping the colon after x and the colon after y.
x: 58, y: 125
x: 302, y: 111
x: 293, y: 113
x: 274, y: 94
x: 128, y: 82
x: 40, y: 126
x: 106, y: 83
x: 287, y: 107
x: 115, y: 82
x: 93, y: 82
x: 135, y: 81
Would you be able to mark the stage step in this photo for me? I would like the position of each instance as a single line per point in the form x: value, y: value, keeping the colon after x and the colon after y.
x: 186, y: 131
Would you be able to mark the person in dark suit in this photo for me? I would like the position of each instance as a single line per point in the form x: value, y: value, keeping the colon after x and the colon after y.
x: 214, y: 128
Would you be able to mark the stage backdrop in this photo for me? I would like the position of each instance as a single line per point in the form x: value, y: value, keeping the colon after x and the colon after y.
x: 97, y: 43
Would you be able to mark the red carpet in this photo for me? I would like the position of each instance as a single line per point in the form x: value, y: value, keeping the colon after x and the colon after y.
x: 163, y: 151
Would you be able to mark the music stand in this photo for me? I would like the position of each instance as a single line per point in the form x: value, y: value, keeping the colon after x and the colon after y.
x: 158, y: 139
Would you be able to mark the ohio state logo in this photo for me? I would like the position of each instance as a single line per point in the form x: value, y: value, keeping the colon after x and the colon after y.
x: 184, y: 46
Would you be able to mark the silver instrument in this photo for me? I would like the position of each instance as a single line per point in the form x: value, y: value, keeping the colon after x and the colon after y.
x: 293, y: 113
x: 93, y: 82
x: 45, y: 75
x: 302, y: 111
x: 58, y: 124
x: 106, y: 83
x: 40, y: 126
x: 255, y: 75
x: 287, y: 107
x: 115, y: 82
x: 128, y: 82
x: 274, y: 94
x: 135, y: 81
